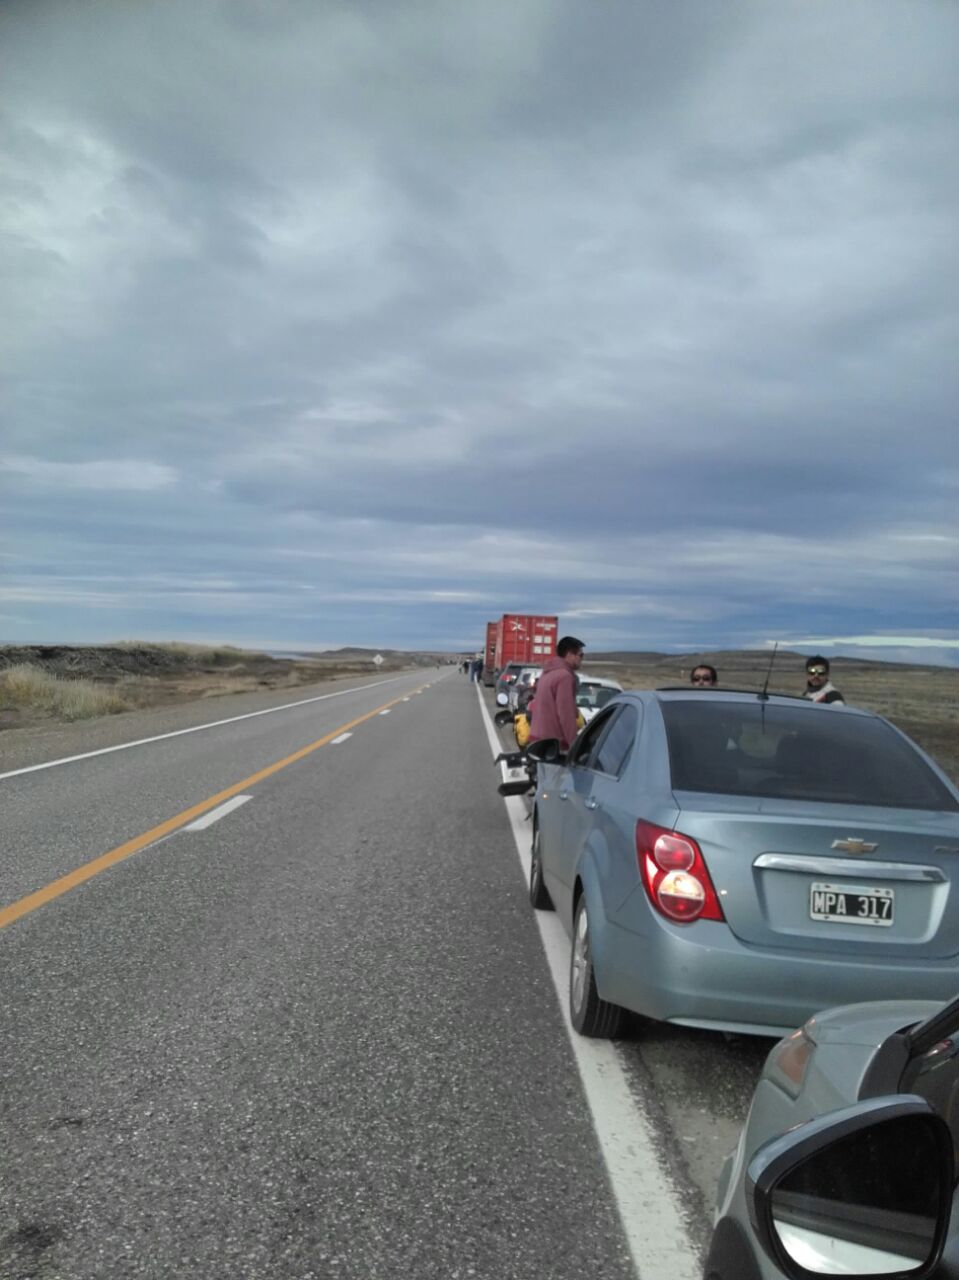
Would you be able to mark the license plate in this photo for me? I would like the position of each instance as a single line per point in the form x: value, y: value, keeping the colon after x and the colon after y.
x: 852, y: 904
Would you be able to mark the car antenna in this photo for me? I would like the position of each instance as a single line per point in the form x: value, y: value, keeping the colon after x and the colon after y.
x: 765, y: 695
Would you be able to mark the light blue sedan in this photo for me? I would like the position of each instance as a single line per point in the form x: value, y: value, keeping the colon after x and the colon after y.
x: 738, y: 862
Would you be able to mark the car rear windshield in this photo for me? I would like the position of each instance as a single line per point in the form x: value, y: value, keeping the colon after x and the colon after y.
x: 797, y: 753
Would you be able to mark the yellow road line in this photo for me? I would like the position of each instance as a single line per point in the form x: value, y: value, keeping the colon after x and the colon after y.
x: 56, y: 888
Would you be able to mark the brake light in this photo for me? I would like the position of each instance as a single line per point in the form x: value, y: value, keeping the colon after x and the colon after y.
x: 674, y: 875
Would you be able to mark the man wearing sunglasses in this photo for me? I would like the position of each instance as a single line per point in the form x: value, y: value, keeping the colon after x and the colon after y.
x: 703, y: 676
x: 818, y: 687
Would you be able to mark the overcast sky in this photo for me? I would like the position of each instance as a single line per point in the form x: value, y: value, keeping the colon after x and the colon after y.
x: 365, y: 322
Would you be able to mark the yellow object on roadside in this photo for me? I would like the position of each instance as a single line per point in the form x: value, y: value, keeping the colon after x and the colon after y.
x: 521, y: 729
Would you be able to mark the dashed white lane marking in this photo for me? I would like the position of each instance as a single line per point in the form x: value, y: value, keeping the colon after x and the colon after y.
x: 404, y: 699
x: 335, y: 742
x: 197, y: 728
x: 386, y: 712
x: 216, y: 814
x: 650, y: 1206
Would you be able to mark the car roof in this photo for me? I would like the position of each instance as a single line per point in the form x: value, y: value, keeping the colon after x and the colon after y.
x: 680, y: 693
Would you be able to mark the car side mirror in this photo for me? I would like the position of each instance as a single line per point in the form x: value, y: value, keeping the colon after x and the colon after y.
x: 546, y: 750
x: 864, y: 1191
x: 502, y: 700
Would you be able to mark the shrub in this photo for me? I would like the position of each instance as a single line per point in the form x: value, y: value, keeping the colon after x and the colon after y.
x: 204, y: 654
x: 27, y: 686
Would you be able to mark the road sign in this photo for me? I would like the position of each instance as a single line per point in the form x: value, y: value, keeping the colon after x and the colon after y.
x: 378, y: 659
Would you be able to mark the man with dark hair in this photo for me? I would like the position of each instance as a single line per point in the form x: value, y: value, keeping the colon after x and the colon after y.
x: 818, y: 686
x: 554, y: 707
x: 703, y: 676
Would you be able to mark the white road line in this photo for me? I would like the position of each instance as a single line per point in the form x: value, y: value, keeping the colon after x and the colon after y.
x: 216, y: 814
x: 650, y: 1205
x: 335, y: 742
x: 197, y: 728
x: 386, y: 712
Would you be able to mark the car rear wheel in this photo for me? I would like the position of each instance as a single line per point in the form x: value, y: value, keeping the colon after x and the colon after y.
x: 589, y: 1013
x: 538, y: 893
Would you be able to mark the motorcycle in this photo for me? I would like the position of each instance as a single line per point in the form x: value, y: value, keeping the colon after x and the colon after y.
x: 519, y: 767
x: 518, y: 773
x: 517, y: 770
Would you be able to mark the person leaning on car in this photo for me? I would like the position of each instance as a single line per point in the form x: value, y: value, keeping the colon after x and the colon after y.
x: 554, y: 707
x: 818, y: 686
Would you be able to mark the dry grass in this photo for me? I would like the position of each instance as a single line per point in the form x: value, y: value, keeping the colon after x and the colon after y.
x: 72, y: 682
x: 29, y: 687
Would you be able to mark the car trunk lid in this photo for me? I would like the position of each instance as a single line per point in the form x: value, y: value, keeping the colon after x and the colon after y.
x: 813, y: 877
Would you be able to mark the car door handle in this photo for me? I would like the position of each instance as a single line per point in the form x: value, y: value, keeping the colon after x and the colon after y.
x: 564, y: 795
x: 591, y: 803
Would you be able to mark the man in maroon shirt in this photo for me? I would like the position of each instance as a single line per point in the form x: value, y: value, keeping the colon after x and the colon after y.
x: 554, y: 707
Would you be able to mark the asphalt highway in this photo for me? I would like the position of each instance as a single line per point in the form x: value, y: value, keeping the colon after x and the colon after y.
x: 274, y: 1004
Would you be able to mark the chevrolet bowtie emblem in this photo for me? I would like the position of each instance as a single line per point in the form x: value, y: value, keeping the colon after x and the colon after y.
x: 854, y: 845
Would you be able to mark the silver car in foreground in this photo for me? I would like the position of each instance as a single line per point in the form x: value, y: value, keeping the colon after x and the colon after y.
x: 840, y: 1169
x: 739, y: 862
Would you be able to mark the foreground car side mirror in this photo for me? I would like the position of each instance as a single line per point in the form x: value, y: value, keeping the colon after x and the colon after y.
x: 546, y: 750
x: 864, y: 1191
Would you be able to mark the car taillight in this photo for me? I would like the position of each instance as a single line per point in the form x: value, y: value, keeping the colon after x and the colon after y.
x: 790, y: 1060
x: 674, y: 875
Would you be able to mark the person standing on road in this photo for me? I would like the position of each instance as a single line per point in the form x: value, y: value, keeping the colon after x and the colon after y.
x: 554, y: 707
x: 818, y: 686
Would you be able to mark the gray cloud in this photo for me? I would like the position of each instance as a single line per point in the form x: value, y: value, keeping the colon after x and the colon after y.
x: 395, y: 316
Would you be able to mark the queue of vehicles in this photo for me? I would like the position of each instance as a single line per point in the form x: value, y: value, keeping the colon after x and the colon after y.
x: 742, y: 861
x: 518, y: 640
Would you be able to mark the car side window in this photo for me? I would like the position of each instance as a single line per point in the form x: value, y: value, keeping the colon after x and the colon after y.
x: 615, y: 747
x: 583, y: 746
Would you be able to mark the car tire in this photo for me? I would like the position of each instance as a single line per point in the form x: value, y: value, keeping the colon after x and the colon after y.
x: 589, y: 1013
x: 731, y: 1255
x: 538, y: 893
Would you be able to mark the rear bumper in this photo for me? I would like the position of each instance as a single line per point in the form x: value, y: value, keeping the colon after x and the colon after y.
x: 701, y: 975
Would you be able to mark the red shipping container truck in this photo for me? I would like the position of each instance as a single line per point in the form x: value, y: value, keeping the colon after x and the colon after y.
x: 489, y: 655
x: 524, y: 637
